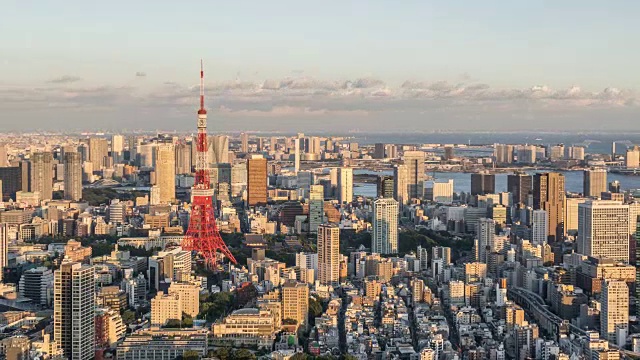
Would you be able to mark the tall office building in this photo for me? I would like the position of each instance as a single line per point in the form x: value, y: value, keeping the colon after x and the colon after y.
x: 316, y: 207
x: 183, y: 158
x: 11, y: 179
x: 41, y: 174
x: 414, y: 162
x: 296, y: 159
x: 36, y: 284
x: 549, y: 195
x: 345, y: 185
x: 527, y: 154
x: 571, y: 214
x: 72, y: 176
x: 117, y: 148
x: 218, y: 149
x: 519, y: 185
x: 632, y: 160
x: 295, y: 302
x: 614, y: 312
x: 485, y: 232
x: 166, y: 172
x: 539, y: 225
x: 74, y: 310
x: 439, y: 191
x: 594, y: 182
x: 98, y: 152
x: 257, y: 181
x: 483, y: 183
x: 4, y: 249
x: 244, y: 142
x: 328, y: 254
x: 4, y: 157
x: 385, y: 186
x: 503, y: 153
x: 384, y: 239
x: 400, y: 184
x: 378, y: 151
x: 603, y: 229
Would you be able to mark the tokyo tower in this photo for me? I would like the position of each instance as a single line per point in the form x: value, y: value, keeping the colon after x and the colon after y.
x: 203, y: 235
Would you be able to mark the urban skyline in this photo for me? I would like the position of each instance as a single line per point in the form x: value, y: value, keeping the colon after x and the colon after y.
x: 357, y: 180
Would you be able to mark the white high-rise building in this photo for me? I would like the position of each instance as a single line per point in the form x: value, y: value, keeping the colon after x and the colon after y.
x: 633, y: 158
x: 316, y: 207
x: 74, y: 310
x: 486, y: 232
x: 439, y: 191
x: 539, y: 227
x: 117, y: 148
x: 307, y: 260
x: 345, y: 185
x: 614, y: 311
x: 329, y: 254
x: 385, y: 226
x: 603, y: 229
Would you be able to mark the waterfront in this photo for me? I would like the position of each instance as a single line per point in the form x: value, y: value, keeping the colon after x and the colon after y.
x: 462, y: 181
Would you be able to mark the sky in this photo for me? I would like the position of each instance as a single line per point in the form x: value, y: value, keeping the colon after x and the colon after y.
x: 291, y: 66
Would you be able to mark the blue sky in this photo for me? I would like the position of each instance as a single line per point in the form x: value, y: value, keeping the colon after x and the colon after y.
x: 505, y: 45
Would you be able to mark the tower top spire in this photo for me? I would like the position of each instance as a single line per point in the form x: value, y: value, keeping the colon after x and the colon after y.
x: 202, y: 110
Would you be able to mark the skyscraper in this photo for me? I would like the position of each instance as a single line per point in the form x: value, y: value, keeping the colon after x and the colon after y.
x: 414, y: 162
x: 257, y: 181
x: 594, y: 182
x: 439, y: 191
x: 378, y: 151
x: 244, y: 142
x: 166, y: 172
x: 41, y: 174
x: 296, y: 159
x: 632, y: 160
x: 385, y: 186
x: 486, y: 232
x: 11, y: 179
x: 4, y: 249
x: 183, y: 158
x: 316, y: 207
x: 98, y: 152
x: 614, y: 311
x: 549, y: 195
x: 400, y: 187
x: 384, y: 239
x: 74, y: 310
x: 503, y: 153
x: 539, y: 225
x: 345, y: 185
x: 218, y: 149
x: 328, y: 254
x: 483, y: 183
x: 603, y: 229
x: 117, y: 148
x: 519, y: 185
x: 72, y: 176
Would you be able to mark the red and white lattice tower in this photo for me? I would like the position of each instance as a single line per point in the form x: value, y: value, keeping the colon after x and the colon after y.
x: 203, y: 235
